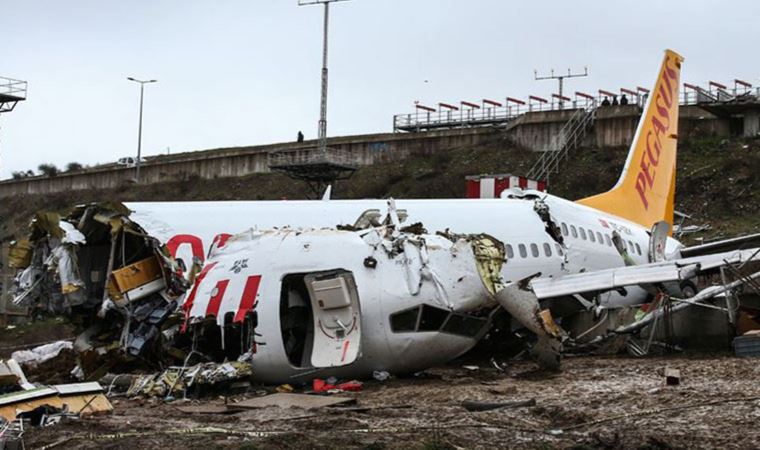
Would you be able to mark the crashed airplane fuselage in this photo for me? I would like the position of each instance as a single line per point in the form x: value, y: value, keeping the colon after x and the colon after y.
x: 349, y: 302
x: 583, y: 243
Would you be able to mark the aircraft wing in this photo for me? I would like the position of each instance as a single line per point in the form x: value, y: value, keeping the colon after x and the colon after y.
x: 609, y: 279
x: 724, y: 245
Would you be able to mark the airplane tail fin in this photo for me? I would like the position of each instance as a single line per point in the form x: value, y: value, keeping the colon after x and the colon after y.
x: 645, y: 192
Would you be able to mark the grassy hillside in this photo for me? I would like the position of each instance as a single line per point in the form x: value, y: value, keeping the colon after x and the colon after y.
x: 718, y: 182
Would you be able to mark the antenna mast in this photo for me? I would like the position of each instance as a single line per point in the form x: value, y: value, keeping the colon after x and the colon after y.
x: 561, y: 79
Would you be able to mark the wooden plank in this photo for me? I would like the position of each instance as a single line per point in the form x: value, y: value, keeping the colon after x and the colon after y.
x: 303, y: 401
x: 209, y: 409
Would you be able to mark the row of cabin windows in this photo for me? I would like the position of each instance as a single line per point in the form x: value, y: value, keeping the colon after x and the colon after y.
x: 595, y: 236
x: 522, y: 249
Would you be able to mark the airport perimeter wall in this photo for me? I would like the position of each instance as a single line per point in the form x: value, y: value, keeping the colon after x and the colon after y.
x: 614, y: 126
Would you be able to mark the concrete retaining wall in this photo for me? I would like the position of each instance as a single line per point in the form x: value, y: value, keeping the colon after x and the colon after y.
x: 236, y: 162
x: 615, y: 126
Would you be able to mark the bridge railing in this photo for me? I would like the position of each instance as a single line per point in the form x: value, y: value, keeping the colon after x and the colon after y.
x: 449, y: 116
x: 465, y: 117
x: 13, y: 88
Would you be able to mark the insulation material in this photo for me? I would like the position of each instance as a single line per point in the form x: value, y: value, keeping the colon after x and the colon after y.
x: 40, y: 354
x: 65, y: 259
x: 20, y: 254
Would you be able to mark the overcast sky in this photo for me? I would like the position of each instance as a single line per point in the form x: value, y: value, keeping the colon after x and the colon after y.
x: 246, y: 72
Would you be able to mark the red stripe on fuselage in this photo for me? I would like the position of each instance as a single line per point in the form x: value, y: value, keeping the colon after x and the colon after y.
x: 249, y: 297
x: 216, y: 300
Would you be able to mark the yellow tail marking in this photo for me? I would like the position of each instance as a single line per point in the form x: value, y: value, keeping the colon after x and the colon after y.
x: 645, y: 192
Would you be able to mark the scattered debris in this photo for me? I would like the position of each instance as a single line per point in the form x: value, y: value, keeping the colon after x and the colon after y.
x: 471, y: 405
x: 12, y: 378
x: 284, y: 389
x: 131, y: 288
x: 672, y: 377
x: 194, y: 380
x: 380, y: 375
x: 12, y: 435
x: 209, y: 409
x: 321, y: 386
x: 747, y: 345
x: 81, y: 399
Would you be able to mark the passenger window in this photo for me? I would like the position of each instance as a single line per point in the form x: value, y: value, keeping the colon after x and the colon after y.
x: 583, y: 233
x: 534, y: 250
x: 638, y: 249
x: 572, y: 229
x: 559, y: 249
x: 599, y: 238
x: 564, y: 229
x: 630, y: 247
x: 523, y: 251
x: 510, y: 252
x: 591, y: 236
x: 547, y: 250
x: 608, y: 240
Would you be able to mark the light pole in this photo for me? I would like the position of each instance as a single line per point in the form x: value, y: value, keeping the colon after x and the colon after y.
x: 139, y: 129
x: 323, y: 101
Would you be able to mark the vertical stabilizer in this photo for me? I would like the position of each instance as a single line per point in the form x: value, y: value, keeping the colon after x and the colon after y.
x: 645, y: 192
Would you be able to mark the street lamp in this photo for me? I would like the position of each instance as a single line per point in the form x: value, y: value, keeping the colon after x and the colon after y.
x: 139, y: 129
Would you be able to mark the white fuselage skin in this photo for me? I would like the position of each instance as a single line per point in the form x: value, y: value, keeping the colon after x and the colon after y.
x: 512, y: 221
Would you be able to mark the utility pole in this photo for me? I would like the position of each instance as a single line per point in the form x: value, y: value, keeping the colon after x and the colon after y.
x: 323, y: 101
x: 139, y: 128
x: 561, y: 79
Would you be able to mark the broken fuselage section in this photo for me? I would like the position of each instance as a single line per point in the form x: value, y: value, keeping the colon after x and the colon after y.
x: 347, y: 303
x: 99, y: 266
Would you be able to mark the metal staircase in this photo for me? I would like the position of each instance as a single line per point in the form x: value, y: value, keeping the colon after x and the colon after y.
x: 569, y: 138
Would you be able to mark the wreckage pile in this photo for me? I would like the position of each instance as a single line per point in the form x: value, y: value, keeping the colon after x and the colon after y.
x: 104, y: 271
x: 23, y: 402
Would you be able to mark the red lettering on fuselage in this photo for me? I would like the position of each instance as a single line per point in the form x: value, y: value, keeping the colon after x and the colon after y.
x: 196, y: 244
x: 665, y: 98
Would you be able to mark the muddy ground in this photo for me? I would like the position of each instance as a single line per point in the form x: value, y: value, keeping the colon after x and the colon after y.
x: 595, y: 402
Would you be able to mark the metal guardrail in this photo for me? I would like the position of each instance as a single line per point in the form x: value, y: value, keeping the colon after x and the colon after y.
x: 311, y: 157
x: 466, y: 117
x: 701, y: 95
x: 495, y: 115
x: 13, y: 88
